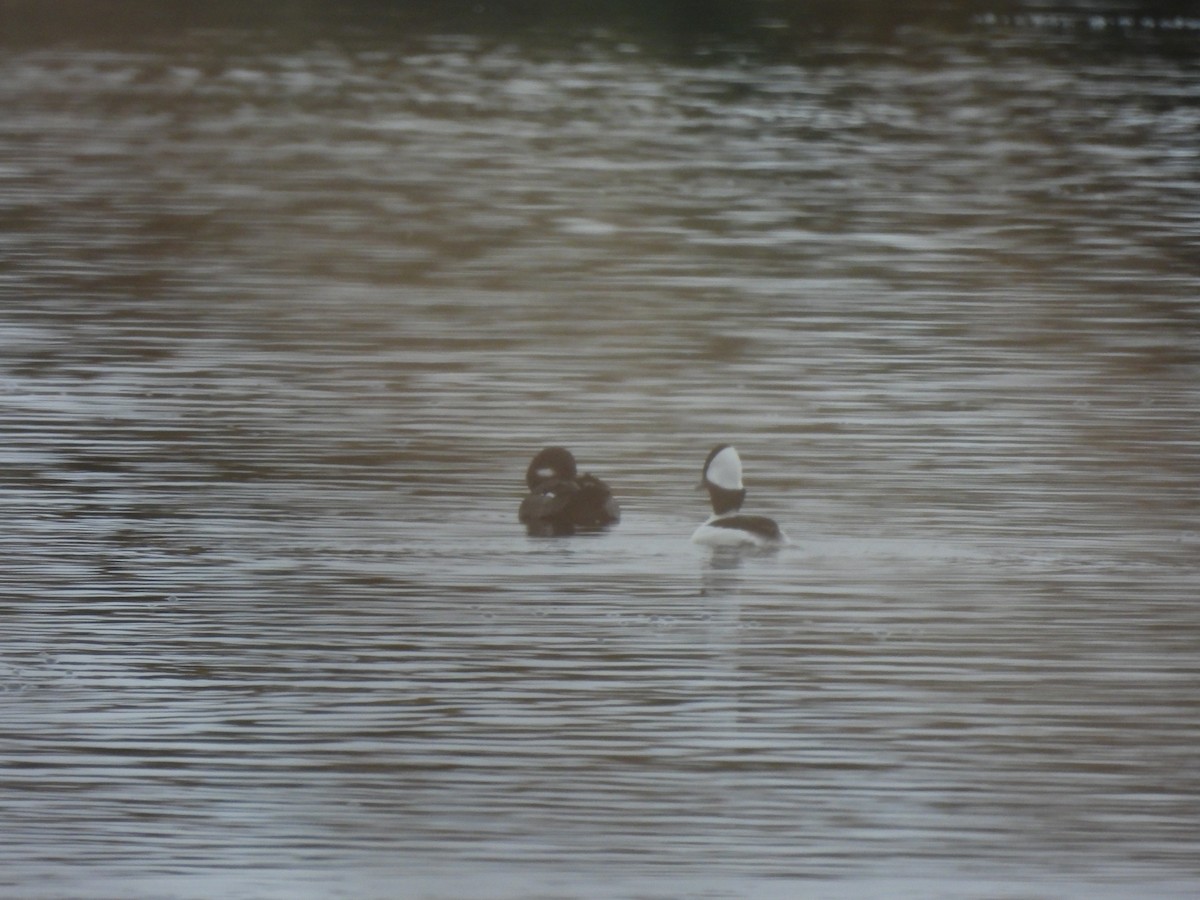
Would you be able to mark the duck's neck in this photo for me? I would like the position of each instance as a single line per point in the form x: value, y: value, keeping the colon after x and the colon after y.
x: 725, y: 500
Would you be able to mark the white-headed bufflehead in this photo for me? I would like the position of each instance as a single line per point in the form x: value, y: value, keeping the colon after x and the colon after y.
x: 560, y: 502
x: 727, y: 527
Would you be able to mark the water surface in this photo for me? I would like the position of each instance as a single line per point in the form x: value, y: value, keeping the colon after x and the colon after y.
x: 285, y: 319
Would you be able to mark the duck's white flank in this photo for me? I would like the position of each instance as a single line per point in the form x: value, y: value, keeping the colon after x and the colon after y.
x: 713, y: 534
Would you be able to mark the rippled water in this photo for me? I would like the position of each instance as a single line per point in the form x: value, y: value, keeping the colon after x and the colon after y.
x: 283, y: 322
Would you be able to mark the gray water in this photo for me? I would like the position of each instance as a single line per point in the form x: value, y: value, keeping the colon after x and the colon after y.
x: 284, y: 320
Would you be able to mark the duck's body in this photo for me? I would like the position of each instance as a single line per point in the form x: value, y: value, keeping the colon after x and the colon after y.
x: 739, y: 531
x: 728, y: 526
x: 562, y: 502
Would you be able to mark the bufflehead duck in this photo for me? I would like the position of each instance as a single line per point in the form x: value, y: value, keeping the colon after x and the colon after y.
x: 727, y: 527
x: 560, y: 502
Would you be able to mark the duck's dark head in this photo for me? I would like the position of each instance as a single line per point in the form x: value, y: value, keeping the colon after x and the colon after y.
x: 551, y: 463
x: 722, y: 476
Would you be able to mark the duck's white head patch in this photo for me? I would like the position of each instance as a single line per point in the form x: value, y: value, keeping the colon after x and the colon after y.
x: 725, y: 469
